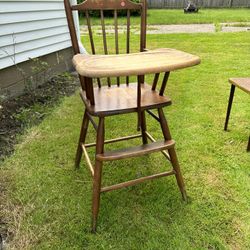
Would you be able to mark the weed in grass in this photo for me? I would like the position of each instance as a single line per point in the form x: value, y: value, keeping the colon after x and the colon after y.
x: 218, y: 27
x: 237, y: 25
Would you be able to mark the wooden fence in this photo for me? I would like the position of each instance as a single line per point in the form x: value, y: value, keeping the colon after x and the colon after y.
x: 200, y: 3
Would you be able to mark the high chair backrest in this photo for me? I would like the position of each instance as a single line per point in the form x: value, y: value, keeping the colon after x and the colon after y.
x: 115, y: 6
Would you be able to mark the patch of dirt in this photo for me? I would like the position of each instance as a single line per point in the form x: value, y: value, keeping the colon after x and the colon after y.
x: 18, y: 113
x: 212, y: 178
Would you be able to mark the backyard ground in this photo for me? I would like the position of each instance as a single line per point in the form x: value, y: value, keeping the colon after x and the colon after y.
x: 173, y: 16
x: 47, y: 204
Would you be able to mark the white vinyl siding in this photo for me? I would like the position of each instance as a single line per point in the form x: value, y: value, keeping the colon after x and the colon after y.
x: 31, y: 28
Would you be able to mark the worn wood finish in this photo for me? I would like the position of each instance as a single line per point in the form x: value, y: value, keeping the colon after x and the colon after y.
x: 243, y: 84
x: 149, y: 62
x: 114, y: 100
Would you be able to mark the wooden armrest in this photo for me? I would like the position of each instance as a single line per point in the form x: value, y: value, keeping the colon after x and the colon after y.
x: 149, y: 62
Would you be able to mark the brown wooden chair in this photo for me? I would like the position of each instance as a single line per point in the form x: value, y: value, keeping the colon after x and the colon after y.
x: 121, y: 98
x: 243, y: 84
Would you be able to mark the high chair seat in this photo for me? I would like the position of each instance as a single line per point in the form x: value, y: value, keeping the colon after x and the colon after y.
x: 123, y: 99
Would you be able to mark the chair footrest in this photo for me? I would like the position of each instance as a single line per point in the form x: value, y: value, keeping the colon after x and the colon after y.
x: 135, y: 151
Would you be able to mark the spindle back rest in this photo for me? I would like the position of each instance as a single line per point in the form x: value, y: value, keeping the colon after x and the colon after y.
x: 103, y: 5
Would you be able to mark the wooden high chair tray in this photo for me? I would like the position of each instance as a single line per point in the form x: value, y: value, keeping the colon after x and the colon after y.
x: 148, y: 62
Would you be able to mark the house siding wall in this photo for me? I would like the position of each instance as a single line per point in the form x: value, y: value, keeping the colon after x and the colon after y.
x: 31, y: 28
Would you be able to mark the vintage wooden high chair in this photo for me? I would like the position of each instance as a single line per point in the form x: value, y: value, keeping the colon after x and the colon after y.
x: 122, y: 98
x: 243, y: 84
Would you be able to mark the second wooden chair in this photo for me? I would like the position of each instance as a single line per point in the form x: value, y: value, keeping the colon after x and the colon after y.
x: 243, y: 84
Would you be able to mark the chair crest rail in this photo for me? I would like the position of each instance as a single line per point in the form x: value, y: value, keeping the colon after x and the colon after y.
x: 107, y: 5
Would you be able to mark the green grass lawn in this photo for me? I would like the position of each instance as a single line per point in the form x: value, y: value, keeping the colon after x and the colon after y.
x: 50, y: 203
x: 176, y: 16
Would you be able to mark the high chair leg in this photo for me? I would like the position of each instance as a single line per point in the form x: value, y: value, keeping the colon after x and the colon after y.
x: 172, y: 154
x: 82, y: 138
x: 97, y: 174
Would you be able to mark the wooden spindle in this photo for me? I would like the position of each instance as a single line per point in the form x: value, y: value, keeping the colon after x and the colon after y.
x: 89, y: 90
x: 143, y: 25
x: 104, y: 33
x: 156, y: 78
x: 71, y: 26
x: 90, y: 32
x: 128, y: 31
x: 128, y: 39
x: 91, y: 40
x: 99, y: 83
x: 116, y: 40
x: 116, y: 32
x: 139, y: 78
x: 164, y: 83
x: 105, y: 47
x: 143, y: 28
